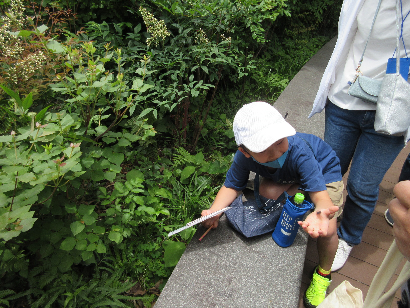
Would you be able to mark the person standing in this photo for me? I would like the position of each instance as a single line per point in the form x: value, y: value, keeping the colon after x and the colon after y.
x: 349, y: 121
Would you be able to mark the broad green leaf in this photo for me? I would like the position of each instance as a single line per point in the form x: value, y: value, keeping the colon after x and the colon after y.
x: 214, y: 168
x: 70, y: 208
x: 199, y: 158
x: 8, y: 235
x: 88, y: 219
x: 87, y: 162
x: 4, y: 220
x: 12, y: 94
x: 86, y: 209
x: 92, y: 238
x: 41, y: 114
x: 27, y: 223
x: 135, y: 175
x: 66, y: 121
x: 172, y: 252
x: 115, y: 236
x: 25, y: 33
x: 92, y: 247
x: 130, y: 137
x: 114, y: 157
x: 6, y: 138
x: 124, y: 142
x: 68, y: 244
x: 108, y: 140
x: 187, y: 233
x: 42, y: 28
x: 188, y: 170
x: 28, y: 101
x: 17, y: 213
x: 76, y: 227
x: 110, y: 176
x: 145, y: 112
x: 99, y: 230
x: 145, y: 87
x: 85, y: 255
x: 56, y: 47
x: 97, y: 175
x: 115, y: 168
x: 81, y: 245
x: 101, y: 248
x: 163, y: 192
x: 147, y: 209
x: 100, y: 129
x: 137, y: 84
x: 28, y: 177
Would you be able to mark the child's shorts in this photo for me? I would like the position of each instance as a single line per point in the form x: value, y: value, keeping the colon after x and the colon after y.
x: 335, y: 191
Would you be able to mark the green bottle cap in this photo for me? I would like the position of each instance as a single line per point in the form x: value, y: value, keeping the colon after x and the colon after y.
x: 299, y: 198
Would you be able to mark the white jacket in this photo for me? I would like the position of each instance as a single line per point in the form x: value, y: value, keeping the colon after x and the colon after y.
x: 347, y: 28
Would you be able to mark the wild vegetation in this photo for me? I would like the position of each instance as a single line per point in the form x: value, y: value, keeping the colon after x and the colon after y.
x: 116, y: 128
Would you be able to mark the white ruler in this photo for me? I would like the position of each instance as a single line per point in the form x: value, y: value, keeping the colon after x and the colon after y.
x: 199, y: 220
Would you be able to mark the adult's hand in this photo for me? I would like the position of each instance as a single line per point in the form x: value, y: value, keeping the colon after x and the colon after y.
x: 400, y: 211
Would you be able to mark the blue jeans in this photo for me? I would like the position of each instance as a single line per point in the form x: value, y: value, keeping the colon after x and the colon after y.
x: 405, y: 170
x: 352, y: 136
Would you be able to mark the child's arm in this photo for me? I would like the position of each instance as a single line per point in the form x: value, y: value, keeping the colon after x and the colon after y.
x: 224, y: 198
x: 317, y: 222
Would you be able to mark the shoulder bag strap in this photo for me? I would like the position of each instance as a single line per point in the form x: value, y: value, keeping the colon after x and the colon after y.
x: 367, y: 41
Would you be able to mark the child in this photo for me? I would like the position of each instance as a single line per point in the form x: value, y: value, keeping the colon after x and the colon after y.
x: 287, y: 161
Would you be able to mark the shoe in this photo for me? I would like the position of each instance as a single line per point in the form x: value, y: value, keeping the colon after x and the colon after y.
x: 388, y: 217
x: 316, y: 292
x: 342, y: 253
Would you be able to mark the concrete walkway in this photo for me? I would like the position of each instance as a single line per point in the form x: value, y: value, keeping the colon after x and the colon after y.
x: 227, y: 270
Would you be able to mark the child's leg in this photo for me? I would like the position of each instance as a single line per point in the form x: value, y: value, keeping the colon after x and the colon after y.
x: 327, y: 246
x: 271, y: 190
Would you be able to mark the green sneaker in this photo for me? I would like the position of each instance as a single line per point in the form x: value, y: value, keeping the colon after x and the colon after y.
x: 316, y: 292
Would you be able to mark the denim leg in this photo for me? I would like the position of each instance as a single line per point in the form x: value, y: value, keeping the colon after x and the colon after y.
x: 405, y: 170
x: 342, y: 132
x: 371, y: 155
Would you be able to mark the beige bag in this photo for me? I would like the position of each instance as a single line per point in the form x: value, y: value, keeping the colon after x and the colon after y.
x: 377, y: 296
x: 344, y: 296
x: 347, y: 296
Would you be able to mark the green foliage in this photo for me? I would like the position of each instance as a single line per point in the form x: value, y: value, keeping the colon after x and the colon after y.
x: 27, y: 63
x: 134, y: 139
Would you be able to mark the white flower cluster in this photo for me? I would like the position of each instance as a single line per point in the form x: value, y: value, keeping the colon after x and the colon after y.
x: 228, y: 39
x: 15, y: 14
x: 156, y: 28
x: 26, y: 67
x: 200, y: 37
x: 12, y: 50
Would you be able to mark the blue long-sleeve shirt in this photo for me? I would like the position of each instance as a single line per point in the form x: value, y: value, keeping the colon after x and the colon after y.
x: 310, y: 162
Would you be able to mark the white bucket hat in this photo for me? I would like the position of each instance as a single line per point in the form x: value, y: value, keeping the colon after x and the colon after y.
x: 258, y: 125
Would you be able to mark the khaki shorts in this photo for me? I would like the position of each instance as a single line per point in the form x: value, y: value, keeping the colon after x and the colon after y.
x: 335, y: 191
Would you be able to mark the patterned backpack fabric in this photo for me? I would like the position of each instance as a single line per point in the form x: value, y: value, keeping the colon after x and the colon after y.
x: 248, y: 219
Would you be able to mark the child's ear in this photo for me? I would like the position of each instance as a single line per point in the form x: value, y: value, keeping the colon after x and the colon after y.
x: 242, y: 150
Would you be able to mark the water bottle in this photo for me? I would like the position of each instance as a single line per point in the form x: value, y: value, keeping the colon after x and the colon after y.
x: 287, y: 226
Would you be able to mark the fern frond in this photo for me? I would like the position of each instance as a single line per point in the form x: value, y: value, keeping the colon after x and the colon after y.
x: 5, y: 293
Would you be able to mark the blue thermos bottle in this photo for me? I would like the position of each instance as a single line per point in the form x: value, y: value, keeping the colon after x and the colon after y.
x: 287, y: 226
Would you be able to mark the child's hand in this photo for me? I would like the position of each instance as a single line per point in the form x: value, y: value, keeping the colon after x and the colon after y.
x: 213, y: 221
x: 317, y: 223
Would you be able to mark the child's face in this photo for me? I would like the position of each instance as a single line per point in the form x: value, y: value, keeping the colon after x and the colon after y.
x: 273, y: 152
